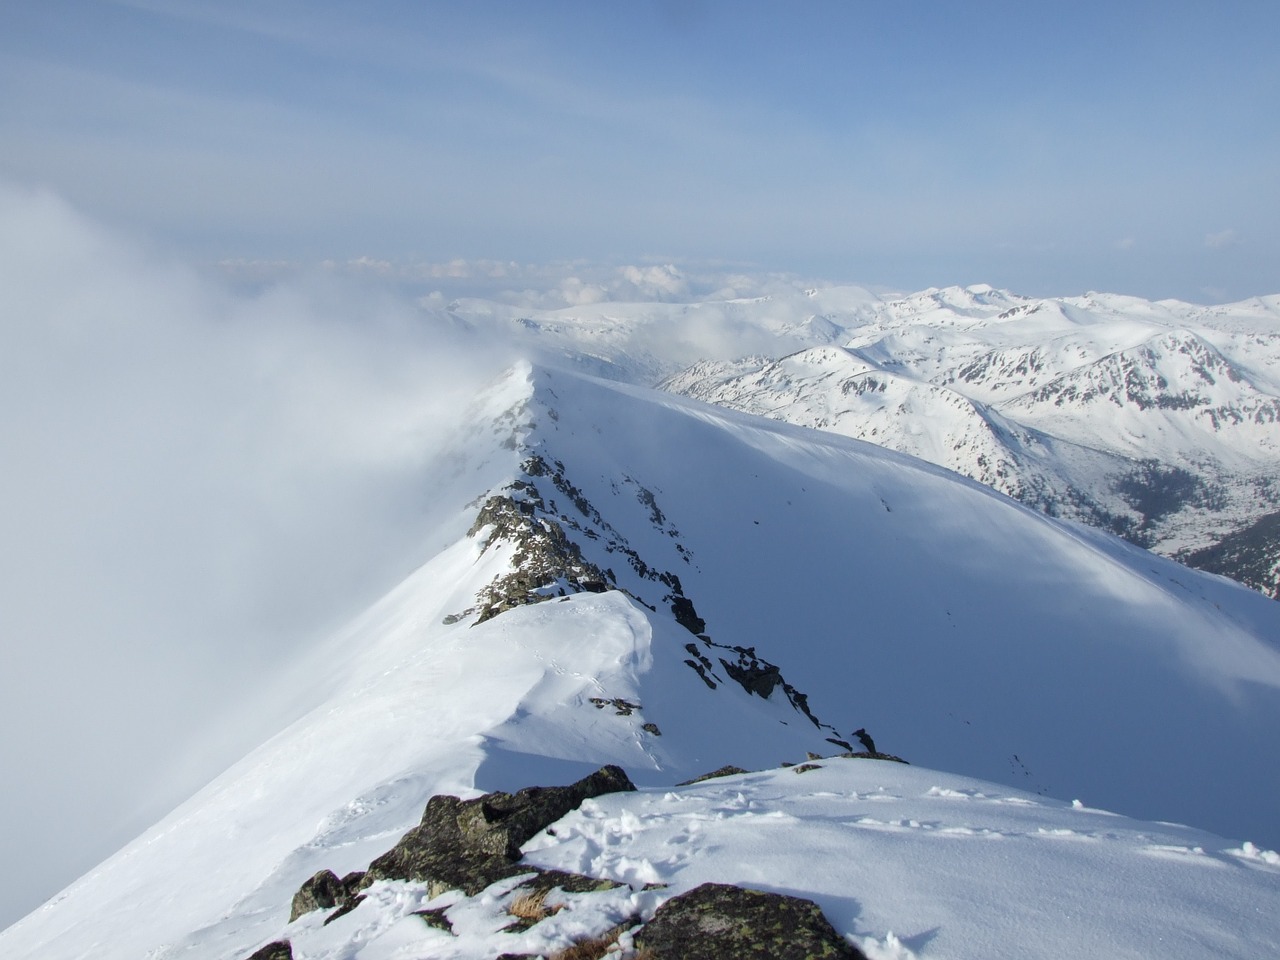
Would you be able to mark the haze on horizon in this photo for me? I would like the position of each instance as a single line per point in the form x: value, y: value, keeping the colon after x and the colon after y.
x: 1048, y: 149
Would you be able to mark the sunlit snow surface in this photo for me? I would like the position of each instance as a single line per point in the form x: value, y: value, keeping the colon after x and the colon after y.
x: 905, y: 861
x: 1054, y: 402
x: 964, y: 631
x: 952, y: 867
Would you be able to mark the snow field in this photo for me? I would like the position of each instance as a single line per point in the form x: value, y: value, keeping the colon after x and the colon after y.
x: 906, y: 862
x: 944, y: 865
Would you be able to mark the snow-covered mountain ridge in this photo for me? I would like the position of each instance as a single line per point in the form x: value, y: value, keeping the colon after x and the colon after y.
x: 1157, y: 421
x: 626, y: 576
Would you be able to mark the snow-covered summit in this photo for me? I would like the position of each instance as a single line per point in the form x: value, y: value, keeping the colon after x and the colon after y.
x: 621, y: 575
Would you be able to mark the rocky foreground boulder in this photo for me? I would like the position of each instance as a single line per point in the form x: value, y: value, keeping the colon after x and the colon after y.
x: 279, y: 950
x: 468, y: 845
x: 718, y: 921
x: 463, y: 845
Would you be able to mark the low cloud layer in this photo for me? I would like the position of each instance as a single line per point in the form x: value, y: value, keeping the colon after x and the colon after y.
x: 195, y: 482
x: 537, y: 286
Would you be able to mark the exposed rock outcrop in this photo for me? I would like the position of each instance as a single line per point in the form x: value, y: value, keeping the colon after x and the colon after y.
x: 278, y: 950
x: 547, y: 563
x: 325, y: 891
x: 469, y: 844
x: 718, y: 921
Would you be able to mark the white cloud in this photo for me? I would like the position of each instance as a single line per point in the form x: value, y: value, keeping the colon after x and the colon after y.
x: 194, y: 482
x: 577, y: 293
x: 535, y: 286
x: 656, y: 282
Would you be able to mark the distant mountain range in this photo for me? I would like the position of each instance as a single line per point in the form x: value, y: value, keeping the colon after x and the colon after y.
x: 1158, y: 421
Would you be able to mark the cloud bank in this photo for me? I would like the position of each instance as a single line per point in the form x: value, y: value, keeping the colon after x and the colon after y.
x: 195, y: 482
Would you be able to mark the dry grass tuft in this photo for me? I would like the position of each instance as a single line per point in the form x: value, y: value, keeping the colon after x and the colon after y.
x: 596, y: 947
x: 531, y: 906
x: 592, y: 949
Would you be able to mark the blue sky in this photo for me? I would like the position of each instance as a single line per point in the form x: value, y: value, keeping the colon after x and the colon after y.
x: 1050, y: 148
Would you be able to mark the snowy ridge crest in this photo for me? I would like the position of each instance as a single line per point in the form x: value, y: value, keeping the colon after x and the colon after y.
x: 548, y: 538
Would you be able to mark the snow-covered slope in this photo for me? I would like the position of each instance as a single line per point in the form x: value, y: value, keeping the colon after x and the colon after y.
x: 1158, y: 421
x: 717, y: 588
x: 835, y: 389
x: 906, y: 862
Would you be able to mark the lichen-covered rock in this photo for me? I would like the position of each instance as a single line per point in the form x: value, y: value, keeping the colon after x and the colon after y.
x: 722, y: 922
x: 469, y: 844
x: 547, y: 880
x: 322, y: 892
x: 546, y: 563
x: 279, y: 950
x: 436, y: 917
x: 325, y: 891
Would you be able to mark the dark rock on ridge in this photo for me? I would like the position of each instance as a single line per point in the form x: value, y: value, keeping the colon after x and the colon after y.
x: 755, y: 677
x: 682, y: 609
x: 866, y: 755
x: 547, y: 563
x: 279, y: 950
x: 325, y: 891
x: 322, y: 892
x: 717, y: 921
x: 546, y: 880
x: 469, y: 844
x: 436, y: 917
